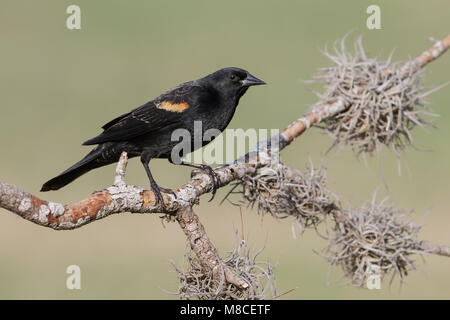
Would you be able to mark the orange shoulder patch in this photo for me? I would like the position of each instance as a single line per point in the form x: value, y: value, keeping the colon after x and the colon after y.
x: 173, y: 107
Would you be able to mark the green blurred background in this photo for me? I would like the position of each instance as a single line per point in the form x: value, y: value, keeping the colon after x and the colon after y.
x: 58, y: 86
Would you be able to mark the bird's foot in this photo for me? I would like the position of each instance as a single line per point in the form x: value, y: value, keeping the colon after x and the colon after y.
x: 168, y: 191
x: 214, y: 178
x: 159, y: 199
x: 211, y: 173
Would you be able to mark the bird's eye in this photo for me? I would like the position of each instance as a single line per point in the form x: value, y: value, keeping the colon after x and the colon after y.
x: 234, y: 77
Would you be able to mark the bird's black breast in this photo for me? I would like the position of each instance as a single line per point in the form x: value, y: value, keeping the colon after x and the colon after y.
x: 214, y: 109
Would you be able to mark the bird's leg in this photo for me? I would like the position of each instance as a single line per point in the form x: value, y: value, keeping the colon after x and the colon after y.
x: 210, y: 171
x: 155, y: 188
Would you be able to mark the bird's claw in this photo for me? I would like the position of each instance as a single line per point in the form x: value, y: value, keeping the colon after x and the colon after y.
x: 215, y: 181
x: 168, y: 191
x: 159, y: 199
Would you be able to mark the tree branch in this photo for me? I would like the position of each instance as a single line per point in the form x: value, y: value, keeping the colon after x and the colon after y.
x: 438, y: 249
x: 204, y: 249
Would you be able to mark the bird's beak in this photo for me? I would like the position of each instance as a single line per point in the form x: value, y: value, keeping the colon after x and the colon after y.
x: 251, y: 81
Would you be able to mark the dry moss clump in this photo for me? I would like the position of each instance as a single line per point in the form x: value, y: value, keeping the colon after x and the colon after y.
x: 284, y: 192
x: 385, y: 103
x: 376, y: 239
x: 194, y: 283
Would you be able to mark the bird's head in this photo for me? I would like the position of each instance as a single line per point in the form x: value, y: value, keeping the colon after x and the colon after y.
x: 232, y: 82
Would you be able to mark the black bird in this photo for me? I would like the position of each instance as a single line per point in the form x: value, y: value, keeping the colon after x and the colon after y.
x: 146, y: 131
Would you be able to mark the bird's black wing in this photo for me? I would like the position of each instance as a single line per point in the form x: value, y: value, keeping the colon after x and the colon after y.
x: 166, y: 110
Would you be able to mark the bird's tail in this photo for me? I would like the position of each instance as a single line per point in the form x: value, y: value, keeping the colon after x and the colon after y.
x: 92, y: 160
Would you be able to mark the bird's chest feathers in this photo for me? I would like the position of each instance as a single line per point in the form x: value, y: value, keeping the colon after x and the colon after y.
x: 214, y: 117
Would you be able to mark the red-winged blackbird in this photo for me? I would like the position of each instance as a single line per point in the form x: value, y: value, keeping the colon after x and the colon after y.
x: 147, y: 130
